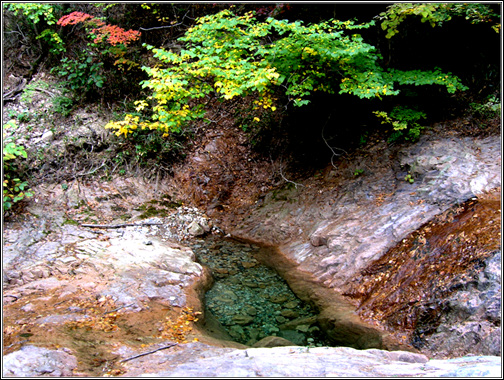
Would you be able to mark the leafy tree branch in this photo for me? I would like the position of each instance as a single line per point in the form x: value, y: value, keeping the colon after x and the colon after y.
x: 436, y: 14
x: 226, y: 56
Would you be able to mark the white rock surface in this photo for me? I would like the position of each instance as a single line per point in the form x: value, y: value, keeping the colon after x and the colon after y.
x: 332, y: 362
x: 31, y: 361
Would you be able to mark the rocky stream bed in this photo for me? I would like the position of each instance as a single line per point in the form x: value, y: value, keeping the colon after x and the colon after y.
x: 342, y: 275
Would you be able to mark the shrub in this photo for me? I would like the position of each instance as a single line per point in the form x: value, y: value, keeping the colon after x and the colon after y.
x: 83, y: 74
x: 62, y: 105
x: 490, y: 108
x: 105, y: 58
x: 404, y: 122
x: 14, y: 189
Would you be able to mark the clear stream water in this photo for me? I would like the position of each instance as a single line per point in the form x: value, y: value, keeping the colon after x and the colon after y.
x: 250, y: 300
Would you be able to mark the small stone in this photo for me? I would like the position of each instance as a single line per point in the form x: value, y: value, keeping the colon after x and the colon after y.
x: 68, y: 259
x: 303, y: 328
x: 47, y: 136
x: 12, y: 275
x: 280, y: 319
x: 38, y: 272
x: 251, y: 342
x: 75, y: 309
x: 236, y: 332
x: 224, y: 299
x: 248, y: 264
x: 273, y: 341
x: 242, y: 319
x: 254, y: 333
x: 279, y: 299
x: 294, y: 336
x: 288, y: 313
x: 28, y: 307
x: 251, y: 310
x: 226, y: 296
x: 250, y: 284
x: 195, y: 229
x: 229, y: 294
x: 27, y: 276
x: 317, y: 240
x: 290, y: 304
x: 291, y: 325
x: 206, y: 225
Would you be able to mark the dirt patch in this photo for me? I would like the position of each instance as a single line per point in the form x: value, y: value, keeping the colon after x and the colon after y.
x: 90, y: 328
x: 222, y: 174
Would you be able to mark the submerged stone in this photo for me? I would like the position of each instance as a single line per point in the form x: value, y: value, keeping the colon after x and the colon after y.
x: 279, y: 298
x: 251, y: 310
x: 288, y: 313
x: 290, y: 304
x: 242, y: 320
x: 273, y: 341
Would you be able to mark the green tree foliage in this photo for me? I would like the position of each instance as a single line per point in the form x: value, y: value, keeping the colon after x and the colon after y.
x: 226, y: 55
x: 34, y: 11
x: 37, y: 15
x: 436, y: 14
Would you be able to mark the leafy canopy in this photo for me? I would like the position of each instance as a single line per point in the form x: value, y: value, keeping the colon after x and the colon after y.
x: 33, y: 11
x: 436, y: 14
x: 226, y: 55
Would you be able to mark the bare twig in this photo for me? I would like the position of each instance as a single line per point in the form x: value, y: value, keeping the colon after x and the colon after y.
x: 168, y: 26
x: 162, y: 27
x: 47, y: 92
x: 121, y: 225
x: 148, y: 353
x: 288, y: 180
x: 118, y: 308
x: 10, y: 95
x: 92, y: 171
x: 283, y: 176
x: 13, y: 296
x: 330, y: 147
